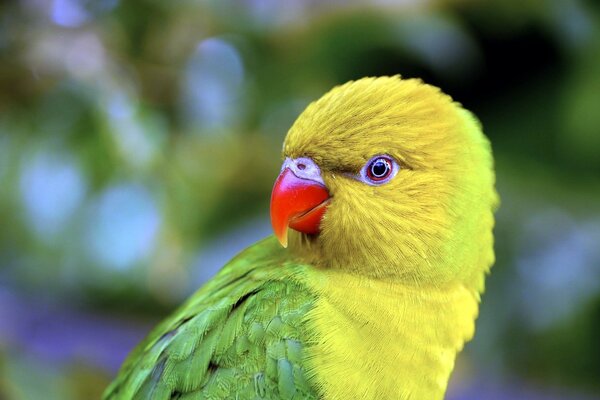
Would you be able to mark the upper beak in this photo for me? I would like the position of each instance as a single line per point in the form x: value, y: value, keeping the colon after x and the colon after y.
x: 299, y: 199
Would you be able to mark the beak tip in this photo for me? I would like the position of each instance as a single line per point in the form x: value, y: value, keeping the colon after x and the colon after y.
x: 283, y: 239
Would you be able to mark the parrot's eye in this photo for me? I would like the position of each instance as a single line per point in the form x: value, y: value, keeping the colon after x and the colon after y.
x: 378, y: 170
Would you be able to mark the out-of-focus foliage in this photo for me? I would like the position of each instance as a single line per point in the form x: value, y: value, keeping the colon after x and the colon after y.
x: 139, y: 141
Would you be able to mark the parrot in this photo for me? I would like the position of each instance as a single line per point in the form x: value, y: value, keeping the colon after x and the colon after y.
x: 383, y: 216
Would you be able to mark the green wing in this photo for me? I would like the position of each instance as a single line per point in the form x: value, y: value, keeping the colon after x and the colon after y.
x: 239, y: 337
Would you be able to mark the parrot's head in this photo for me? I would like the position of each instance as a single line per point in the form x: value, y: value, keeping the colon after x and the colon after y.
x: 389, y: 178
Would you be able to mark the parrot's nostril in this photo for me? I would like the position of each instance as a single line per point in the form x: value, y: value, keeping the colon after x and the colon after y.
x: 301, y: 166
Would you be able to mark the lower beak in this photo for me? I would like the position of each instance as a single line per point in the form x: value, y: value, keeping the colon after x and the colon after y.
x: 297, y: 203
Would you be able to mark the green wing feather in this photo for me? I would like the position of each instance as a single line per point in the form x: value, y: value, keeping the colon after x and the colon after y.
x: 239, y: 337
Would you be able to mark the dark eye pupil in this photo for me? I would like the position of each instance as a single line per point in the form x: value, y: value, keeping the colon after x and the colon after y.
x: 379, y: 168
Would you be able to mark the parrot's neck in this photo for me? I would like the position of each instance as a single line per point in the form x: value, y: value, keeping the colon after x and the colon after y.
x: 382, y: 340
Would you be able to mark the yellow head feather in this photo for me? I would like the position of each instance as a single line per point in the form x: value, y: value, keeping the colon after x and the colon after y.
x: 432, y: 222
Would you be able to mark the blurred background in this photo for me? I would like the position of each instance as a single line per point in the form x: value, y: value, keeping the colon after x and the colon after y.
x: 139, y: 141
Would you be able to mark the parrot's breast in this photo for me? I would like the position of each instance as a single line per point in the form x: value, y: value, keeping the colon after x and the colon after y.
x: 379, y: 340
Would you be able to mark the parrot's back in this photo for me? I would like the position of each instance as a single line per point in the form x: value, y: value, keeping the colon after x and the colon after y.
x: 241, y: 337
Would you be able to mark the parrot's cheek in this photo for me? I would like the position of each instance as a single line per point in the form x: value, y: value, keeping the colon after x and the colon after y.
x: 297, y: 203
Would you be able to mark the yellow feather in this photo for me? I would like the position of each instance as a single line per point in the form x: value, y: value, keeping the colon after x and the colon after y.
x: 380, y: 340
x: 399, y: 266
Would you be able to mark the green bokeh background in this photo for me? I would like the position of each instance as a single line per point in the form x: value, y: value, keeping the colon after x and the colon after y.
x: 139, y: 141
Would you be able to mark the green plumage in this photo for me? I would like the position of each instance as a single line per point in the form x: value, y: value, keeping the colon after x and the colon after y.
x: 242, y: 336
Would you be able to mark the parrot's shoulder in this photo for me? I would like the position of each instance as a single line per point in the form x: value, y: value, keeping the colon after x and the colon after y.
x: 240, y: 336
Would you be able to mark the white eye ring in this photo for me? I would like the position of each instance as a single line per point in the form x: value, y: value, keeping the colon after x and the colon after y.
x: 379, y: 170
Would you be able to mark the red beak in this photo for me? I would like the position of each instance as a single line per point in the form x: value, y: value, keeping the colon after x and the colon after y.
x: 297, y: 203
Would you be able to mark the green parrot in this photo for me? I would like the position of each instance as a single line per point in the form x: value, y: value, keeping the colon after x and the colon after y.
x: 383, y: 217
